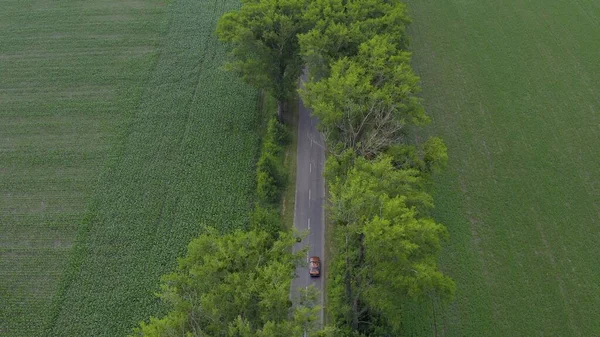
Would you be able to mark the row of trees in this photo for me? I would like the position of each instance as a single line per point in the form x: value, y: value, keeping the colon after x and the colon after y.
x: 234, y: 285
x: 363, y: 89
x: 385, y: 245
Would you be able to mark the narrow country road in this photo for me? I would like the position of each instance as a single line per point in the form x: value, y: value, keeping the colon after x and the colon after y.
x: 310, y: 195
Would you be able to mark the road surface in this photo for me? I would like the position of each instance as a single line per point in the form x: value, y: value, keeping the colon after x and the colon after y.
x: 310, y: 197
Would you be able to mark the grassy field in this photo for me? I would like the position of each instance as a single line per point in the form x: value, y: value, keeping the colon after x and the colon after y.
x: 119, y: 136
x: 514, y: 89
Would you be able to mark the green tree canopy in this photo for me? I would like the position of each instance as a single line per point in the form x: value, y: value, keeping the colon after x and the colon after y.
x: 400, y: 259
x: 339, y: 27
x: 368, y: 100
x: 266, y: 52
x: 357, y: 194
x: 386, y: 247
x: 235, y: 285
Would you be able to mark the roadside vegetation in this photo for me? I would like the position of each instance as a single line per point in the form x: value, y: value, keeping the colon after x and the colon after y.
x: 271, y: 178
x: 264, y: 39
x: 363, y: 90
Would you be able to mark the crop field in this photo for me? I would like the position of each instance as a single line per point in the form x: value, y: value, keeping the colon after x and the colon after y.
x: 69, y: 72
x: 120, y: 136
x: 514, y: 89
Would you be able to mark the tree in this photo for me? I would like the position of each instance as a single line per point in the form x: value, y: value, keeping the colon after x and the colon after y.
x: 339, y: 27
x: 400, y: 259
x: 357, y: 194
x: 386, y: 248
x: 265, y: 51
x: 234, y: 285
x: 368, y: 100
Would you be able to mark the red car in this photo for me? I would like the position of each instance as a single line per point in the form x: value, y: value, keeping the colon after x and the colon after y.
x: 314, y: 266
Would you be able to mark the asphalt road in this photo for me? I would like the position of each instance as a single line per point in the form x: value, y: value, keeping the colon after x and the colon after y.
x: 310, y: 195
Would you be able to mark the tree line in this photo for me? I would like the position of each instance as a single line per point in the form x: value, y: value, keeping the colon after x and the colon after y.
x: 363, y: 90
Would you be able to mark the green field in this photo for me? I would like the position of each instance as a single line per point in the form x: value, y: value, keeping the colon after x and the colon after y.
x: 119, y: 136
x: 514, y: 89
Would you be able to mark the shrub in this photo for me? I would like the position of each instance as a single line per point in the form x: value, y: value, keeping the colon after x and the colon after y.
x: 265, y: 219
x: 436, y: 154
x: 266, y: 188
x: 279, y: 132
x: 270, y: 174
x: 272, y: 165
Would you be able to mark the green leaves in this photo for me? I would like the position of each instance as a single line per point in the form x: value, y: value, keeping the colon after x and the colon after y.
x: 358, y: 194
x: 265, y: 218
x: 368, y: 100
x: 436, y: 154
x: 386, y: 246
x: 400, y: 250
x: 270, y: 174
x: 361, y: 85
x: 266, y: 52
x: 234, y: 285
x: 340, y: 27
x: 429, y: 157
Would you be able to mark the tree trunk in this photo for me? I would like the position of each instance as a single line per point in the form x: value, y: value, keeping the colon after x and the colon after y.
x: 355, y: 309
x: 280, y: 109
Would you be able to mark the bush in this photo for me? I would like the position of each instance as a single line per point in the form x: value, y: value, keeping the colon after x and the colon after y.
x: 266, y: 188
x: 265, y: 219
x: 270, y: 174
x: 275, y: 138
x: 279, y: 132
x: 272, y: 166
x: 270, y: 147
x: 430, y: 157
x: 436, y: 154
x: 405, y: 157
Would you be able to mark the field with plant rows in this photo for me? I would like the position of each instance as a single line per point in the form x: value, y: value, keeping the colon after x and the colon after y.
x: 70, y: 73
x: 513, y: 87
x: 120, y: 136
